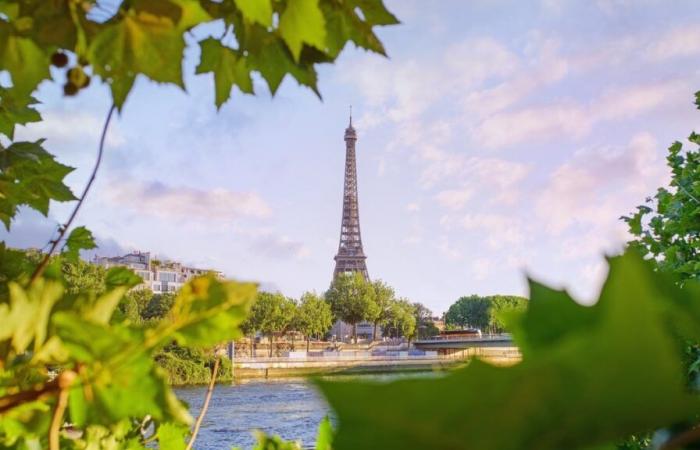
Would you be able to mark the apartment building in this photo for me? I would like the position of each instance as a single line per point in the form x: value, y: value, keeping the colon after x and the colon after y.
x: 159, y: 276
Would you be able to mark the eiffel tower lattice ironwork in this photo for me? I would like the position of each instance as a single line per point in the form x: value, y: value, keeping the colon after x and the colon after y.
x: 350, y: 257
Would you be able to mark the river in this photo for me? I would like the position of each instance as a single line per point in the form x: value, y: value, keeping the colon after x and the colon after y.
x: 289, y: 407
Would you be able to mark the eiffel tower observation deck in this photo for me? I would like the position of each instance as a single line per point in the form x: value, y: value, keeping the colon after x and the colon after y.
x: 351, y: 257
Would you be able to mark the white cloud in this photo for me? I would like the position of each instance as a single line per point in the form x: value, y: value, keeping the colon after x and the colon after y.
x: 678, y: 42
x: 159, y: 200
x: 454, y: 199
x: 598, y: 185
x: 498, y: 230
x: 273, y: 246
x: 71, y: 127
x: 481, y: 267
x: 573, y: 119
x: 413, y: 207
x: 448, y: 250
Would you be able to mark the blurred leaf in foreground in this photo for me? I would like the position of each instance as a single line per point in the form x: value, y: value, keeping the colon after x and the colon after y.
x: 597, y: 375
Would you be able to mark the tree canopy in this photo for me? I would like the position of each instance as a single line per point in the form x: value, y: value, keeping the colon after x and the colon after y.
x: 484, y: 313
x: 667, y: 227
x: 352, y: 299
x: 314, y: 316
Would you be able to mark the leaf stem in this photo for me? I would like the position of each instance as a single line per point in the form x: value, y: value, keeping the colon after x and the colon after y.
x: 65, y: 379
x: 205, y: 406
x: 63, y: 229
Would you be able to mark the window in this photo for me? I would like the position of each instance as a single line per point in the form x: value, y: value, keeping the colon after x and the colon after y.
x: 167, y: 276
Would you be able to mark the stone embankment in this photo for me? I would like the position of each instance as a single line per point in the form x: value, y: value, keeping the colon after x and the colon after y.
x: 354, y: 362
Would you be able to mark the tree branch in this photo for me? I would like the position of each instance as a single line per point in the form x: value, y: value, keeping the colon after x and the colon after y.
x: 63, y: 229
x: 683, y: 439
x: 205, y: 406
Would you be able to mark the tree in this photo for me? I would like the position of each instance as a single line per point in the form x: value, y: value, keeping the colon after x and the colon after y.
x: 425, y: 327
x: 472, y: 311
x: 158, y: 306
x: 314, y: 316
x: 272, y: 313
x: 667, y: 227
x: 351, y: 299
x: 501, y: 306
x: 401, y: 319
x: 383, y: 297
x: 133, y: 304
x: 82, y: 276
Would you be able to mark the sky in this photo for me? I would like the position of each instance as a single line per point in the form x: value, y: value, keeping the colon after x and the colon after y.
x: 499, y: 140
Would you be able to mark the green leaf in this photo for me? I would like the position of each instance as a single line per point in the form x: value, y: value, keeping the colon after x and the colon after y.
x: 121, y: 276
x: 259, y: 11
x: 324, y: 438
x: 30, y: 176
x: 15, y: 110
x: 147, y: 40
x: 80, y: 238
x: 302, y: 23
x: 24, y: 59
x: 229, y: 69
x: 617, y: 366
x: 375, y: 13
x: 171, y: 436
x: 25, y: 318
x: 207, y: 311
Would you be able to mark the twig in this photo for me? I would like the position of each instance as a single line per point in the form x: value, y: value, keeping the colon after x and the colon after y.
x: 63, y: 229
x: 10, y: 401
x: 65, y: 380
x: 205, y: 406
x: 683, y: 439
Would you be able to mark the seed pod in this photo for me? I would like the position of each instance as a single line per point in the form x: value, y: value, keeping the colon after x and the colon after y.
x: 59, y: 59
x: 77, y: 76
x: 70, y: 89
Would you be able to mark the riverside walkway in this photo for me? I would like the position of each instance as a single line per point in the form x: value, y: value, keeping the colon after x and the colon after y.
x: 354, y: 362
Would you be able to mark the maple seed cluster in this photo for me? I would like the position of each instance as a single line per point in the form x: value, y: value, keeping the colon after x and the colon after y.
x: 76, y: 77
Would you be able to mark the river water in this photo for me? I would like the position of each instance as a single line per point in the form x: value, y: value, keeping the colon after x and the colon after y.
x: 290, y: 408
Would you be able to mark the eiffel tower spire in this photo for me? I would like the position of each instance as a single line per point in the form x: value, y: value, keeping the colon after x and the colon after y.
x: 351, y: 256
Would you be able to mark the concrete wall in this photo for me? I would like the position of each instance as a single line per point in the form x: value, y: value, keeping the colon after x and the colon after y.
x: 364, y: 363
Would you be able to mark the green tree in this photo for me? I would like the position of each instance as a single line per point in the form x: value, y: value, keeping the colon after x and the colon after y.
x: 351, y: 299
x: 158, y: 306
x: 82, y: 276
x: 383, y: 297
x: 501, y: 306
x: 271, y: 314
x: 472, y: 311
x: 667, y: 227
x: 401, y: 319
x: 425, y: 328
x: 314, y: 316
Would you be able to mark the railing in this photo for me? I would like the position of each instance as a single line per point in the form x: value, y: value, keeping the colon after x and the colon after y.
x: 476, y: 337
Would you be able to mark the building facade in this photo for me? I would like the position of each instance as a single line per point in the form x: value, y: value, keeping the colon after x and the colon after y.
x: 158, y: 276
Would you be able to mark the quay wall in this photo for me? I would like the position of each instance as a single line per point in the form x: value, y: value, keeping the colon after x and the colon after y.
x: 281, y: 367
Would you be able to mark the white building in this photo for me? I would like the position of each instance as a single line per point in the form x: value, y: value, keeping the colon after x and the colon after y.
x: 159, y: 276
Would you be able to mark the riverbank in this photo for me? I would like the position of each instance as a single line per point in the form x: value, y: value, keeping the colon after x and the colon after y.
x: 257, y: 368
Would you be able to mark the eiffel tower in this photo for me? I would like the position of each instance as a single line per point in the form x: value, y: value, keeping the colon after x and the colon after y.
x: 350, y: 257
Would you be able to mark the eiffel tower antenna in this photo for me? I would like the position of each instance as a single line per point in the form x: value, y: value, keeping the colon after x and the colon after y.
x: 351, y: 257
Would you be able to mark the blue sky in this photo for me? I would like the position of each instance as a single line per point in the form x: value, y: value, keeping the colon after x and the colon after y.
x: 501, y: 138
